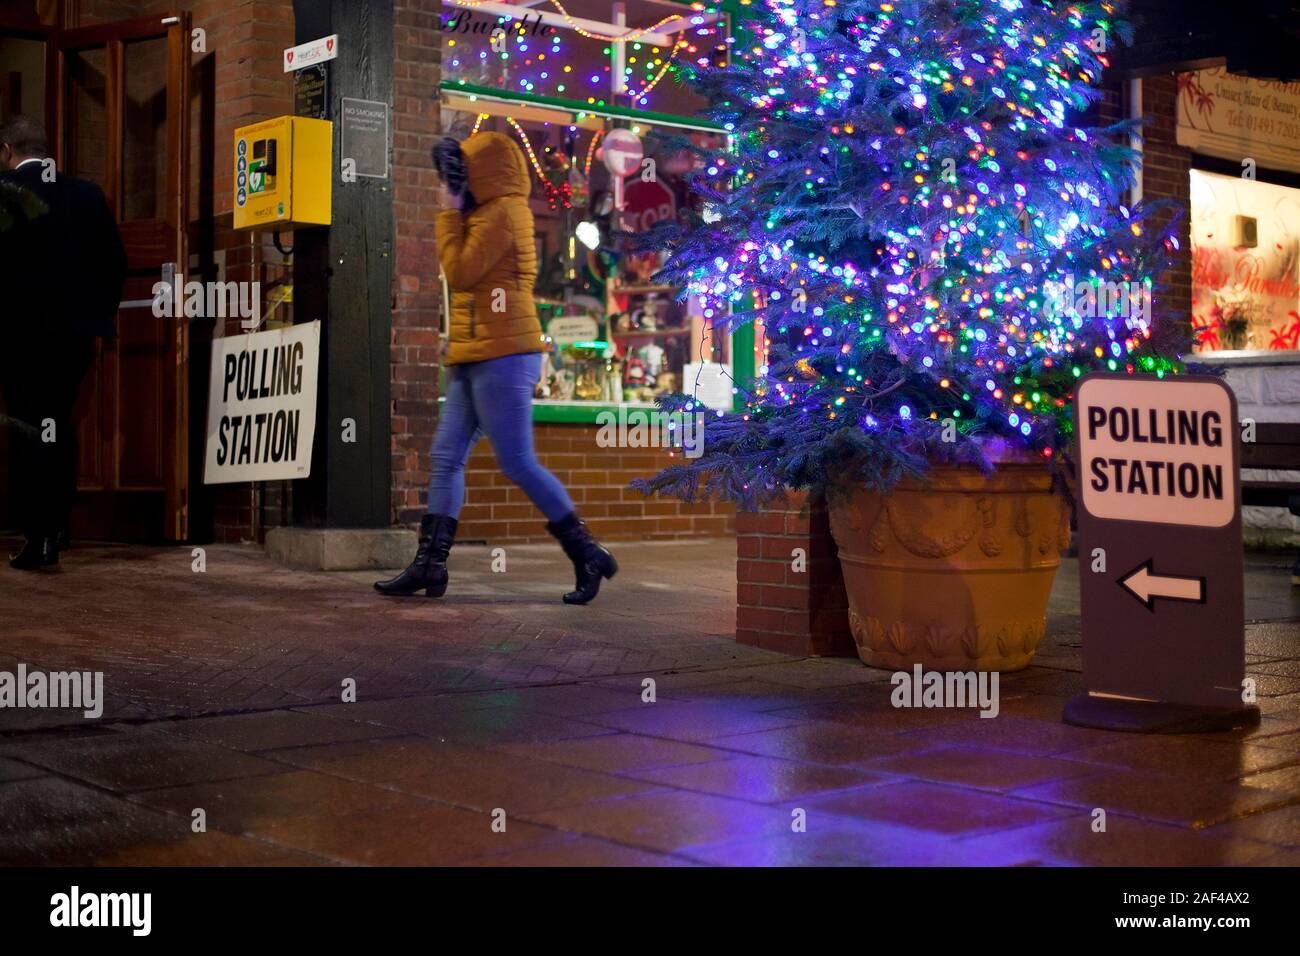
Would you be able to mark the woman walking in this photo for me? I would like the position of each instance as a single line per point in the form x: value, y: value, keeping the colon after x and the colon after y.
x: 485, y: 243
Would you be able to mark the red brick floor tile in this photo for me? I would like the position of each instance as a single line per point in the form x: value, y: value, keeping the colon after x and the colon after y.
x: 1284, y: 858
x: 207, y: 849
x: 818, y: 672
x: 1125, y: 842
x: 48, y: 821
x: 1035, y: 706
x: 1159, y: 797
x: 687, y: 722
x: 1283, y: 668
x: 421, y: 833
x: 1285, y: 706
x: 16, y: 770
x: 577, y: 851
x: 762, y: 695
x: 138, y: 760
x: 674, y: 684
x: 1035, y: 738
x: 566, y: 700
x: 614, y: 752
x: 759, y: 779
x: 1286, y: 779
x: 246, y: 805
x: 875, y: 714
x: 1280, y: 827
x: 491, y: 724
x: 1284, y: 741
x: 1164, y: 753
x: 266, y: 731
x: 821, y: 742
x: 468, y: 777
x: 981, y: 769
x: 669, y: 821
x: 935, y: 808
x: 837, y: 842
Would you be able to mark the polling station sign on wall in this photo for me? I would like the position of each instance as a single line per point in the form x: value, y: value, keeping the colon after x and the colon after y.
x: 262, y: 405
x: 1160, y: 554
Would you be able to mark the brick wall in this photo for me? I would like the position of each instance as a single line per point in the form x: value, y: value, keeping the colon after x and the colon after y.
x: 597, y: 478
x: 417, y: 296
x: 1166, y: 170
x: 789, y: 591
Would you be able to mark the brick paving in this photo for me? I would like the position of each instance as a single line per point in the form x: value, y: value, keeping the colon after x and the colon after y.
x: 224, y: 693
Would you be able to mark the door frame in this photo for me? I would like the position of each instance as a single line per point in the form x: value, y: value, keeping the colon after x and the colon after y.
x: 112, y: 37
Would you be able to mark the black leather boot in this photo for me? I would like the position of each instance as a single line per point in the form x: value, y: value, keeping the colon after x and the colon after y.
x: 36, y: 553
x: 428, y: 572
x: 591, y: 562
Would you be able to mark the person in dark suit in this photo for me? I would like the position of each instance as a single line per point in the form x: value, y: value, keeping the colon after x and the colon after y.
x: 62, y: 268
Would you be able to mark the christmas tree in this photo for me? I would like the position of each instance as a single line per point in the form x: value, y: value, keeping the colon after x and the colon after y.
x: 933, y: 236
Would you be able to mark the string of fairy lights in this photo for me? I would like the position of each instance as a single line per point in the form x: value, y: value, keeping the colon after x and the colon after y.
x: 535, y: 63
x: 538, y: 58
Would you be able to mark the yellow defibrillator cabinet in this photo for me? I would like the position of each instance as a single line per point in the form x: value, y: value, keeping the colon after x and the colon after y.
x: 283, y: 173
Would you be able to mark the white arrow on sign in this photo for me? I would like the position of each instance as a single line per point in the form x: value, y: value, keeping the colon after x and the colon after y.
x: 1145, y: 585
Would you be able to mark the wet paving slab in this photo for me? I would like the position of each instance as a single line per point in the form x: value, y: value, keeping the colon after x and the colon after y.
x: 310, y: 722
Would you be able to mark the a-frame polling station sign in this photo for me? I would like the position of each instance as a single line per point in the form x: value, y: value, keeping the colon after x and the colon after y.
x: 1160, y: 555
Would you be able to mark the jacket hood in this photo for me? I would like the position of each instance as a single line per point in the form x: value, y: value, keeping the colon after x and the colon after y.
x: 496, y: 167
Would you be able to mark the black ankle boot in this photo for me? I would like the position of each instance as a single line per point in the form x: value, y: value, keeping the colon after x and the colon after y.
x: 428, y: 572
x: 591, y: 562
x: 36, y: 553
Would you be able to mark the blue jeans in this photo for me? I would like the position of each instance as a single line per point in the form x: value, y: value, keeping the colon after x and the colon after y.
x: 493, y: 398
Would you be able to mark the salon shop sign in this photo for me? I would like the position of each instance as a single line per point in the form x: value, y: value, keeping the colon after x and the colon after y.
x: 646, y: 203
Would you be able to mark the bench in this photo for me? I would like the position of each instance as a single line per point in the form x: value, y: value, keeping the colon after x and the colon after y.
x: 1276, y: 447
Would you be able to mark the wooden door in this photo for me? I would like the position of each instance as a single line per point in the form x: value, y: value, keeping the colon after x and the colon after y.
x: 120, y: 119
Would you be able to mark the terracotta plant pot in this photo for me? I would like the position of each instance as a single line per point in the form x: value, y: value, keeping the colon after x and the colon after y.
x: 953, y: 572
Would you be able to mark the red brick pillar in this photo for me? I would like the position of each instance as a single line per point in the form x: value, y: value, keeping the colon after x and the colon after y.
x: 783, y: 603
x: 417, y: 292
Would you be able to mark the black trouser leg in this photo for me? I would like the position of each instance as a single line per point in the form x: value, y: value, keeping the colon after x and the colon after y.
x: 41, y: 396
x: 21, y: 404
x: 67, y: 453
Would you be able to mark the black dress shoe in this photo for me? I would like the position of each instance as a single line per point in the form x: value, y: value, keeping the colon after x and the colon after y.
x: 35, y: 554
x: 63, y: 540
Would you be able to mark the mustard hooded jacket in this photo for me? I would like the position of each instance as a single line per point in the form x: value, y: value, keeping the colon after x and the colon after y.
x: 490, y: 258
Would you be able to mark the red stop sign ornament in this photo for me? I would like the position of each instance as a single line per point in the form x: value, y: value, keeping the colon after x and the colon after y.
x: 646, y: 203
x: 622, y: 152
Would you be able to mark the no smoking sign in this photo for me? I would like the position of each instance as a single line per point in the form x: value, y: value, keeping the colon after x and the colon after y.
x: 1160, y: 555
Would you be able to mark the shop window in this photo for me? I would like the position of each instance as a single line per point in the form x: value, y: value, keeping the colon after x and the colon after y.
x: 614, y: 333
x: 1245, y: 279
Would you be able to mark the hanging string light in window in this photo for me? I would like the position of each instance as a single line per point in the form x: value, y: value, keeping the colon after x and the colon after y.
x: 557, y: 197
x: 591, y: 151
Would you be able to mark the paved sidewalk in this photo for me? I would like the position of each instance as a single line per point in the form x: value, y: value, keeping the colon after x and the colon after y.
x: 223, y: 694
